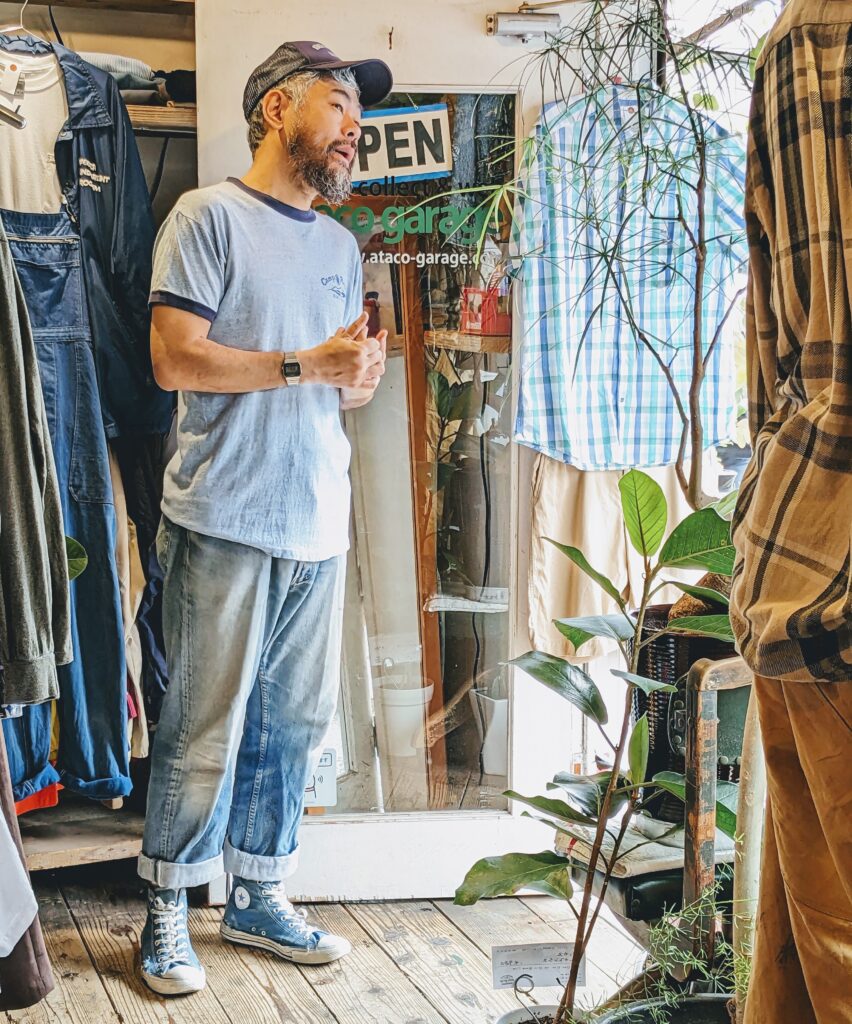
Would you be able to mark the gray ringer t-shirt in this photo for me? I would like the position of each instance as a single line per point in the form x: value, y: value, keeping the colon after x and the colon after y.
x: 267, y: 469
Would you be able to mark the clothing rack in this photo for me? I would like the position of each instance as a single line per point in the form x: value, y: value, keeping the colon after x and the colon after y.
x: 79, y: 830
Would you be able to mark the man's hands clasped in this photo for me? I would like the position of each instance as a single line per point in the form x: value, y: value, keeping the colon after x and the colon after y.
x: 350, y: 360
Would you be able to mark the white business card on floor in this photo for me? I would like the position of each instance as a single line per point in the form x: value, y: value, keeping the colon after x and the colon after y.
x: 322, y: 788
x: 538, y: 965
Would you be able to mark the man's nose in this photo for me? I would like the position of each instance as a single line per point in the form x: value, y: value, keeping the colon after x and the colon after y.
x: 352, y: 130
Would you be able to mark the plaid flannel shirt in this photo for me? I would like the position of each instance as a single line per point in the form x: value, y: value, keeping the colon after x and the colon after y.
x: 592, y: 391
x: 792, y: 594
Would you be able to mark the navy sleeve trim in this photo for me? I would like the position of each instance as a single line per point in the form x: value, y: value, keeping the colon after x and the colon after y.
x: 178, y: 302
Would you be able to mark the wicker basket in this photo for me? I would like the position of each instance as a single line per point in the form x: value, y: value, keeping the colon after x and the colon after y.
x: 668, y: 659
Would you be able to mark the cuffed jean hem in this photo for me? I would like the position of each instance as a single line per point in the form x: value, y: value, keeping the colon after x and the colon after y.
x: 47, y: 776
x: 257, y: 868
x: 166, y: 875
x: 97, y: 789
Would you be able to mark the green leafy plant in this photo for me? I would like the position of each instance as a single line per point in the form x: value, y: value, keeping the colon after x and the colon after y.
x: 453, y: 404
x: 76, y: 556
x: 606, y: 802
x: 673, y: 959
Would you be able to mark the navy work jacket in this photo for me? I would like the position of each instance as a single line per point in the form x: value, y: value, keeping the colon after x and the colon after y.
x: 106, y: 196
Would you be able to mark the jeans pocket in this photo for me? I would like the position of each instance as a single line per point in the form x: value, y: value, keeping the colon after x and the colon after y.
x: 52, y: 280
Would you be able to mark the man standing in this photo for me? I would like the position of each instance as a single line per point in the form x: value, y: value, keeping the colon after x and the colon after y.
x: 258, y: 322
x: 792, y: 595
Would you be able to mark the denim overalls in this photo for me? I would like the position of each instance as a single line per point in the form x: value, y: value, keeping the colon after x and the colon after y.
x: 92, y: 710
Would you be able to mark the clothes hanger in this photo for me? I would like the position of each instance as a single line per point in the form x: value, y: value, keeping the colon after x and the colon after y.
x: 8, y: 115
x: 20, y: 27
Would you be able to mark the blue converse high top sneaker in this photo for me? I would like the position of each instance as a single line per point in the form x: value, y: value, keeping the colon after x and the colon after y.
x: 169, y: 964
x: 259, y: 914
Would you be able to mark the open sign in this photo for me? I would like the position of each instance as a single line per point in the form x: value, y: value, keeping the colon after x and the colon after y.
x: 406, y: 143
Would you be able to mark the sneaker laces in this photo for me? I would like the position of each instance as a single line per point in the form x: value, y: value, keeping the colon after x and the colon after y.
x: 276, y: 896
x: 171, y: 939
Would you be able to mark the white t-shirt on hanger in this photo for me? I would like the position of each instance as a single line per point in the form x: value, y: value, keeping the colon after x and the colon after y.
x: 18, y: 906
x: 28, y: 180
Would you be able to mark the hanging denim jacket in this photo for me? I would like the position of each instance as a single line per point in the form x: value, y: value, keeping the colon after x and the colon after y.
x: 106, y: 197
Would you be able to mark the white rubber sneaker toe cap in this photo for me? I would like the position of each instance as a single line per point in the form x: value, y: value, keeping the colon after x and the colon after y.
x: 180, y: 981
x: 333, y: 946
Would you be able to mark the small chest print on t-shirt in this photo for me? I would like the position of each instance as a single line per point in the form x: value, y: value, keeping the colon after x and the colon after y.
x: 336, y: 285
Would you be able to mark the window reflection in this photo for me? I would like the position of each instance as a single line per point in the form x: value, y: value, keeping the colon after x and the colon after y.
x: 423, y: 722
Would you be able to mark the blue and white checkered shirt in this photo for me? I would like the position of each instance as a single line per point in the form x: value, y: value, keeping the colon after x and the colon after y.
x: 606, y: 261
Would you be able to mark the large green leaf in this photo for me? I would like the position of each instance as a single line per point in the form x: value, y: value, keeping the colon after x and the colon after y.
x: 569, y: 681
x: 580, y: 560
x: 716, y: 626
x: 546, y: 872
x: 726, y: 506
x: 555, y: 808
x: 637, y: 751
x: 702, y: 593
x: 645, y: 684
x: 441, y: 391
x: 577, y: 637
x: 615, y: 627
x: 77, y: 558
x: 586, y: 792
x: 701, y: 541
x: 645, y: 511
x: 726, y: 799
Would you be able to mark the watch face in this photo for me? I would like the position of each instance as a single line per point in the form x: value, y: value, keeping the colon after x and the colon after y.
x: 292, y: 369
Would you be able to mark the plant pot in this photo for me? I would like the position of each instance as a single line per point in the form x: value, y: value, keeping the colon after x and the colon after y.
x: 404, y: 715
x: 707, y: 1009
x: 544, y: 1013
x: 492, y: 722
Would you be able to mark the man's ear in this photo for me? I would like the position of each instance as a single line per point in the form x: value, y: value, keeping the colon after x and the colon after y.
x: 275, y: 106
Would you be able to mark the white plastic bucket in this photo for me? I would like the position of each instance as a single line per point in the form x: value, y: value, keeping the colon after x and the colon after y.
x: 404, y: 714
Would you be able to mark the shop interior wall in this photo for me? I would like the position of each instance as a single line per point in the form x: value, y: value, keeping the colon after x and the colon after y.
x: 164, y: 42
x: 439, y: 43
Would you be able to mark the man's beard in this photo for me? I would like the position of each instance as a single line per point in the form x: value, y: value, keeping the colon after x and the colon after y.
x: 313, y: 164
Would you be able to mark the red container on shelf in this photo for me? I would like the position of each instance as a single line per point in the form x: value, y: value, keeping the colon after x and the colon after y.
x: 486, y: 311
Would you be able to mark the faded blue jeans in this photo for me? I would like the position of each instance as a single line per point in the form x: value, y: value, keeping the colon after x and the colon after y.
x: 253, y: 646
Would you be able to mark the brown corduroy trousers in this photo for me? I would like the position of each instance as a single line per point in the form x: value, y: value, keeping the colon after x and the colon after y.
x: 802, y: 971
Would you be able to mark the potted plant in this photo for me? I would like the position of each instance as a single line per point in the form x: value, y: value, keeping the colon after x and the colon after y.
x: 596, y: 808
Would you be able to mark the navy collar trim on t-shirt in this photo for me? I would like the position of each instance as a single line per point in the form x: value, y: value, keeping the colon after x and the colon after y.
x: 306, y: 216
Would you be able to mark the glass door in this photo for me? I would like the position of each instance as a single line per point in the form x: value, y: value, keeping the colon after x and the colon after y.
x: 422, y: 739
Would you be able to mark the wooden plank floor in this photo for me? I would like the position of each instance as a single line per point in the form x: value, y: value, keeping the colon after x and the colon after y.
x: 417, y: 962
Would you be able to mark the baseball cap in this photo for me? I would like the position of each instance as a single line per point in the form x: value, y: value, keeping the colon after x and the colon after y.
x: 374, y: 77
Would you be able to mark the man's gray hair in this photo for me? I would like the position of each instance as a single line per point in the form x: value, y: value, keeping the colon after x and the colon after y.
x: 296, y: 88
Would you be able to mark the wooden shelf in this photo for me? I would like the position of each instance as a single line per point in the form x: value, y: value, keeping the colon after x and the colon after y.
x: 79, y: 831
x: 468, y: 342
x: 182, y: 7
x: 163, y: 121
